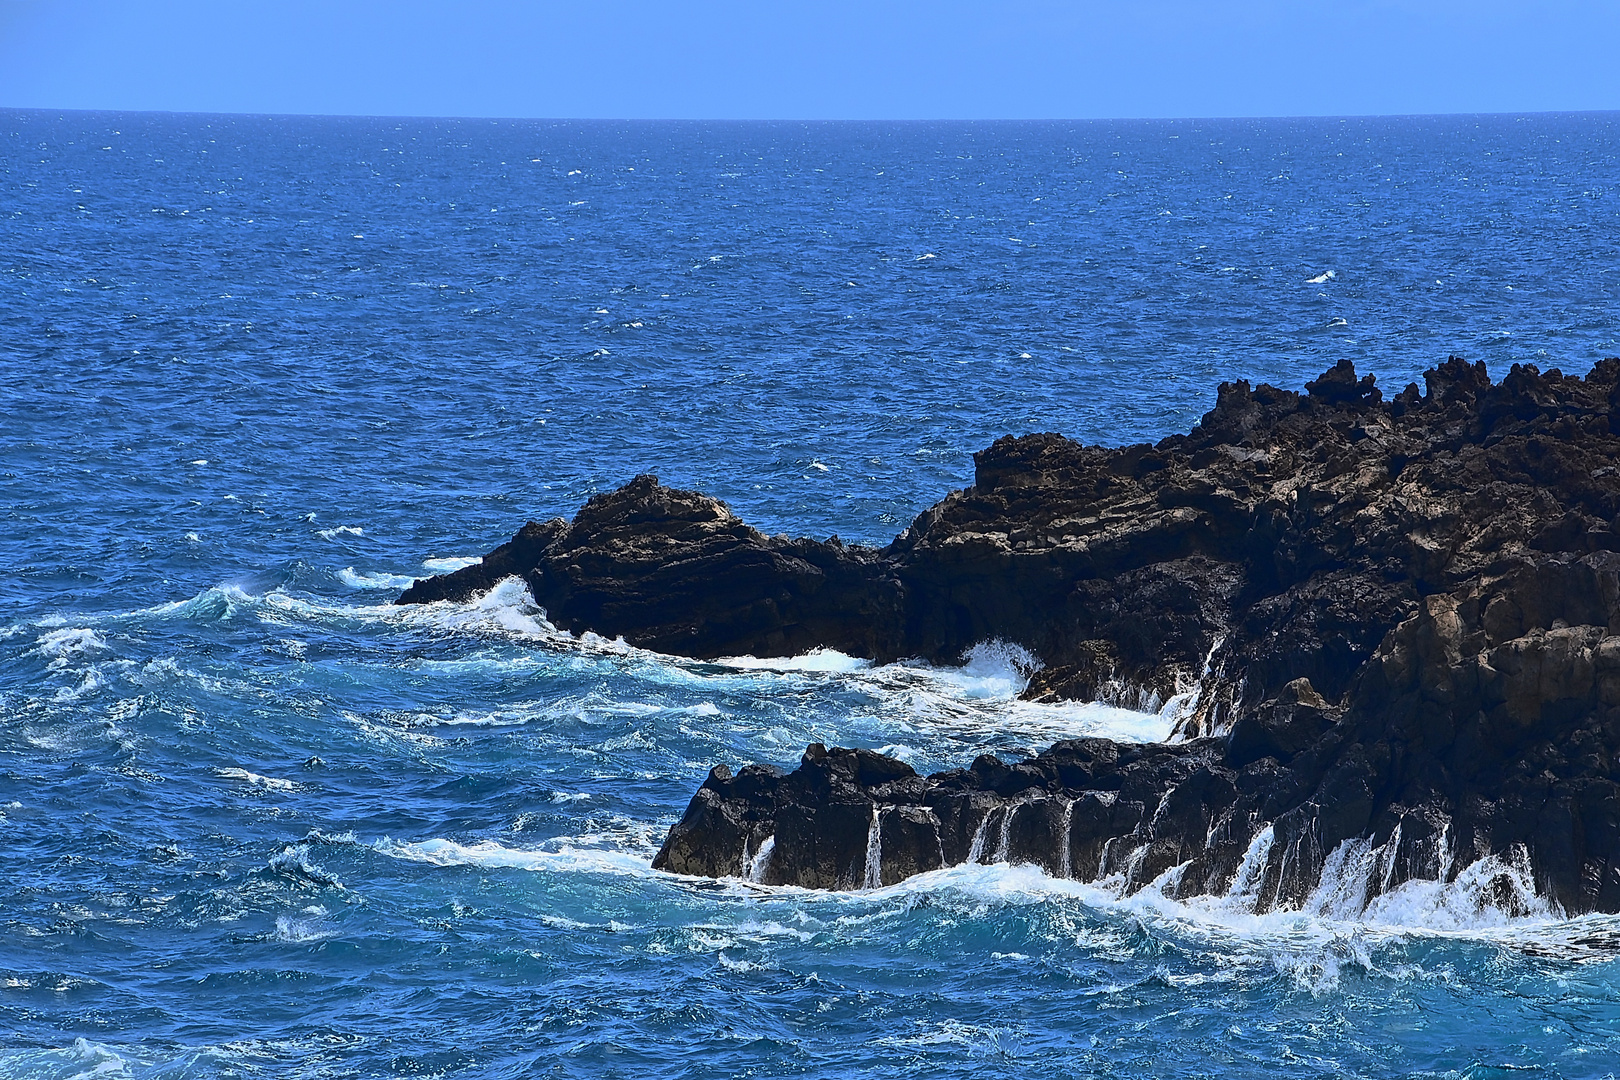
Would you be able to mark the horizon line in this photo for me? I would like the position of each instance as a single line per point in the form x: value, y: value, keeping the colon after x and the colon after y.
x: 494, y: 118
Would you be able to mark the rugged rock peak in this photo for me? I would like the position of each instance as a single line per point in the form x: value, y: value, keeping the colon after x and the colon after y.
x: 646, y: 502
x: 1339, y: 386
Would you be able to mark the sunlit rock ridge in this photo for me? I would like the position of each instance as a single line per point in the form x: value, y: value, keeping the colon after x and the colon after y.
x: 1395, y: 624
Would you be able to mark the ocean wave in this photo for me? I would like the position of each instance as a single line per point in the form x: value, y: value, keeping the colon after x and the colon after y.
x: 487, y: 853
x: 356, y: 579
x: 934, y: 716
x: 293, y: 863
x: 829, y: 661
x: 451, y: 563
x: 1466, y: 909
x: 83, y: 1059
x: 63, y: 646
x: 979, y: 696
x: 269, y: 783
x: 1307, y: 944
x: 304, y: 926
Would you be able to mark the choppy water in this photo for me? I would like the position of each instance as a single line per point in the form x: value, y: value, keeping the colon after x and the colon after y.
x: 258, y: 373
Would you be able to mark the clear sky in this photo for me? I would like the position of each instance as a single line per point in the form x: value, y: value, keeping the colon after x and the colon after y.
x: 825, y: 59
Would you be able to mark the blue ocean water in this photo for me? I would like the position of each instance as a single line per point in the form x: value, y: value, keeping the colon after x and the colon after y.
x: 258, y: 373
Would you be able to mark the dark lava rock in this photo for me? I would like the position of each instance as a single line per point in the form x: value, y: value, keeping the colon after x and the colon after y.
x: 678, y: 572
x: 1397, y: 622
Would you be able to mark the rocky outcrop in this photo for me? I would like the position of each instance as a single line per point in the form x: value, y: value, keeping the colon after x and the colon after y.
x: 1403, y: 617
x: 678, y: 572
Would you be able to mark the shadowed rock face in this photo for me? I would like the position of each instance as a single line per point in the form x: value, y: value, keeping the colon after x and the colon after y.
x: 678, y: 572
x: 1406, y: 614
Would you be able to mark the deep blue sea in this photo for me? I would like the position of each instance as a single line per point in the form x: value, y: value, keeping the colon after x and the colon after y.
x: 258, y: 373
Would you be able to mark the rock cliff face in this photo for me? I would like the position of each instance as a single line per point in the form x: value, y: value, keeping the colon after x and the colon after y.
x: 1402, y: 618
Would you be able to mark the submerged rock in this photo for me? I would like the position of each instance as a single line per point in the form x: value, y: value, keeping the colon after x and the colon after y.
x: 1397, y: 623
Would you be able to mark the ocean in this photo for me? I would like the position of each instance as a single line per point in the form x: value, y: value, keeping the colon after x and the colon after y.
x: 261, y: 372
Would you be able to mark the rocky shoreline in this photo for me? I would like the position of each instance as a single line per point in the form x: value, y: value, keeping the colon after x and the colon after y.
x: 1401, y: 619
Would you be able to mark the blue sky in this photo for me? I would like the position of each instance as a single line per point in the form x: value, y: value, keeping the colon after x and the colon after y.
x: 828, y: 59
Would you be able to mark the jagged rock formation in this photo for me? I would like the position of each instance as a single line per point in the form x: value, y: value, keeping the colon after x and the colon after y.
x: 1406, y: 614
x: 678, y: 572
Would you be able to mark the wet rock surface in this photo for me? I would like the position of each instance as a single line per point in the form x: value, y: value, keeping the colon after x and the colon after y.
x: 1398, y: 622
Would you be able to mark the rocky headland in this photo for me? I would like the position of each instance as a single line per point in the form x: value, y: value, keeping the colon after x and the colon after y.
x: 1395, y: 624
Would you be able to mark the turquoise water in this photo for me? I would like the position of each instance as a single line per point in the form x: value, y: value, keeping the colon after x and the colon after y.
x: 261, y: 372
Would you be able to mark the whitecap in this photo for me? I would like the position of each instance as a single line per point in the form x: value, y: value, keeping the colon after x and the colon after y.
x: 376, y: 580
x: 91, y: 683
x: 64, y: 645
x: 269, y: 783
x: 80, y: 1060
x: 507, y: 607
x: 1303, y: 943
x: 1323, y: 278
x: 488, y: 853
x: 451, y: 563
x: 304, y: 928
x: 739, y: 966
x: 293, y: 862
x: 498, y: 719
x: 994, y: 668
x: 341, y: 530
x: 1089, y: 719
x: 976, y: 1039
x: 823, y: 660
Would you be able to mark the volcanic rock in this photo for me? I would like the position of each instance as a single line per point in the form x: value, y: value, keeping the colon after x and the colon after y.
x: 1394, y: 626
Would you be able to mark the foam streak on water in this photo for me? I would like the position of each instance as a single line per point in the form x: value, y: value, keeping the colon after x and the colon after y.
x: 262, y: 372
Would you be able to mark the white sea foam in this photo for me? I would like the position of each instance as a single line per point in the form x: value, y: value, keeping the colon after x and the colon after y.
x: 69, y: 643
x: 514, y: 717
x: 1307, y: 943
x: 979, y: 698
x: 507, y: 608
x: 269, y: 783
x: 293, y: 862
x: 85, y: 1060
x: 82, y: 1060
x: 341, y: 530
x: 977, y: 1040
x: 451, y: 563
x: 356, y: 579
x: 92, y: 682
x: 487, y: 853
x: 825, y: 660
x: 1323, y: 278
x: 994, y: 669
x: 304, y: 927
x: 915, y: 700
